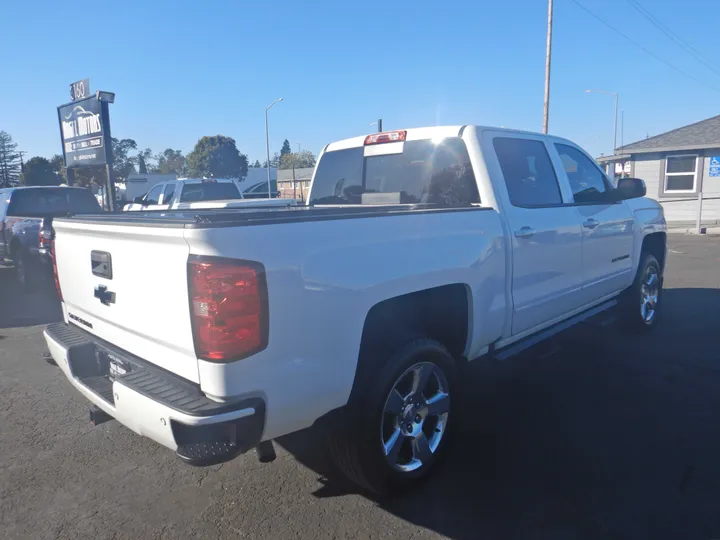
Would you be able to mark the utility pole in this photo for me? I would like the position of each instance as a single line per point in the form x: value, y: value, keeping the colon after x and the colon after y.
x: 267, y: 144
x: 293, y: 169
x: 22, y: 166
x: 379, y: 124
x: 548, y: 55
x: 615, y: 128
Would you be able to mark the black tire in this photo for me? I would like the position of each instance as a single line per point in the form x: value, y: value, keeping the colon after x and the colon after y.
x: 24, y: 273
x: 633, y: 318
x: 356, y: 437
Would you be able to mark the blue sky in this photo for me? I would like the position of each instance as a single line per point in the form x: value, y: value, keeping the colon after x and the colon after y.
x: 184, y: 69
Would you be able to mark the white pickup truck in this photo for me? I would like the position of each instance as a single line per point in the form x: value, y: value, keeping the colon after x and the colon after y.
x: 214, y: 332
x: 195, y: 193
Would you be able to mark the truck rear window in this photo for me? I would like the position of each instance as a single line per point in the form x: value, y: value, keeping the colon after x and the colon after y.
x: 46, y: 202
x: 209, y: 191
x: 426, y: 172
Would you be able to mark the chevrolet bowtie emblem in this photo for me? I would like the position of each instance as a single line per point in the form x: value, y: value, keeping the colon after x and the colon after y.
x: 105, y: 296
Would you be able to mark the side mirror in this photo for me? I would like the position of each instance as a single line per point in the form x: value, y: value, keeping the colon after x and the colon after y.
x: 631, y: 188
x: 139, y: 200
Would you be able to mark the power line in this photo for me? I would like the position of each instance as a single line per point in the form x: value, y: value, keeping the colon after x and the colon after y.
x: 708, y: 63
x: 627, y: 38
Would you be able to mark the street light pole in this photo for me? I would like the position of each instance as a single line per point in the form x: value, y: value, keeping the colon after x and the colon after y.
x: 615, y: 128
x: 267, y: 144
x: 379, y: 124
x: 548, y: 56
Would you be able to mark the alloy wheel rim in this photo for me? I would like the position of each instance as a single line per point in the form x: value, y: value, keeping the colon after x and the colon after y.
x: 649, y: 293
x: 415, y: 417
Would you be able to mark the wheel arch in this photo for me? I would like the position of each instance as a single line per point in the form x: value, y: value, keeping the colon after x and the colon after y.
x: 440, y: 313
x: 656, y: 244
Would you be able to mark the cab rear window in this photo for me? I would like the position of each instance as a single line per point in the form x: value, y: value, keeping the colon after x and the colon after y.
x: 42, y: 202
x: 209, y: 191
x: 426, y: 172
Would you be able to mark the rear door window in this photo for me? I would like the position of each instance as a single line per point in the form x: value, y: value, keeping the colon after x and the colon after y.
x: 59, y: 201
x: 528, y: 172
x: 426, y: 172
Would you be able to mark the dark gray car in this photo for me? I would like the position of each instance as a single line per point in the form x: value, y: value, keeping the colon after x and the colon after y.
x: 24, y: 213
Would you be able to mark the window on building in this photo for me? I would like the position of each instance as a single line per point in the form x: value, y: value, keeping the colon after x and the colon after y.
x: 680, y: 174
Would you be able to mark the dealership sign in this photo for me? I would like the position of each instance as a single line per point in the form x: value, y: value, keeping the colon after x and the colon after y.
x: 82, y: 132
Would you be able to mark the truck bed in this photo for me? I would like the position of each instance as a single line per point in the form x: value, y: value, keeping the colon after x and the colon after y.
x: 239, y: 217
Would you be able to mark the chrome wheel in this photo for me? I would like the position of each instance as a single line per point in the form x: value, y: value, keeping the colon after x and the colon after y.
x: 415, y: 417
x: 649, y: 291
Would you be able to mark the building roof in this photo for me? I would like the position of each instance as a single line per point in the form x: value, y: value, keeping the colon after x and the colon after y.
x: 286, y: 175
x: 703, y: 134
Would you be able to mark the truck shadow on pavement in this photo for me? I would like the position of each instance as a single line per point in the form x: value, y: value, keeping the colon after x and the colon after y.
x: 19, y: 309
x: 612, y: 437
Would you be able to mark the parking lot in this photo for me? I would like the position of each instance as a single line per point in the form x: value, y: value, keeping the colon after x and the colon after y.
x: 610, y: 438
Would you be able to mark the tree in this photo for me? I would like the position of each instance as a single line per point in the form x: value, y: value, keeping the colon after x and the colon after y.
x: 58, y: 167
x: 144, y: 158
x: 217, y: 157
x: 124, y: 164
x: 298, y: 160
x: 39, y: 172
x: 92, y: 174
x: 257, y: 165
x: 10, y: 160
x: 285, y: 149
x: 274, y: 161
x: 172, y: 161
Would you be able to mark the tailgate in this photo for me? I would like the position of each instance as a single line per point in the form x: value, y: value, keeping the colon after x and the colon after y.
x: 139, y: 300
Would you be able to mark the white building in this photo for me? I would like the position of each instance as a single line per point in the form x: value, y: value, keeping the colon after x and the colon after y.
x: 677, y: 167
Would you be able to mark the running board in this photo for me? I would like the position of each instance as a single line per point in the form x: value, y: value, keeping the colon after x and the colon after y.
x: 536, y: 338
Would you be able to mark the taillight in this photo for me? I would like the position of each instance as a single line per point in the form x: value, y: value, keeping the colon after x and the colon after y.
x: 55, y: 272
x: 45, y: 239
x: 228, y: 308
x: 386, y: 137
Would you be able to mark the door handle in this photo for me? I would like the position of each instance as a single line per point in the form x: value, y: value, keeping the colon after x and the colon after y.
x: 591, y: 223
x: 525, y: 232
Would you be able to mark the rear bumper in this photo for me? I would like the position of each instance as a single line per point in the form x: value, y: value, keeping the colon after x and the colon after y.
x: 155, y: 403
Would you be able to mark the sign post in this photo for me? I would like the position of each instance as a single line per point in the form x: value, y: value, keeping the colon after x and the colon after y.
x: 85, y: 134
x: 109, y: 158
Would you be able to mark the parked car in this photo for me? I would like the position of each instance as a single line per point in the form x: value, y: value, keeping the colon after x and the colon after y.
x: 420, y: 250
x: 186, y: 194
x: 260, y: 190
x: 24, y: 213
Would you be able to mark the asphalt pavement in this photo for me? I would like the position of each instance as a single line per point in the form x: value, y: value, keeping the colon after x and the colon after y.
x: 612, y: 437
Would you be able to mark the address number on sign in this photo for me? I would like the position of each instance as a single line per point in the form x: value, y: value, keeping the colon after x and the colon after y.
x: 80, y: 90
